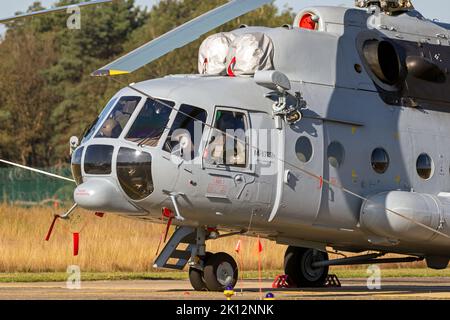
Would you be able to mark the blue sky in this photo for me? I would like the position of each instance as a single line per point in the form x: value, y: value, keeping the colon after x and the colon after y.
x: 438, y: 9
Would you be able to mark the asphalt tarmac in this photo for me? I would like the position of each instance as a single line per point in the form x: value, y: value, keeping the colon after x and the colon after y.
x: 352, y: 289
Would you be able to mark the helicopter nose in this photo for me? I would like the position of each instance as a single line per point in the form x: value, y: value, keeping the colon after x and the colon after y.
x: 100, y: 194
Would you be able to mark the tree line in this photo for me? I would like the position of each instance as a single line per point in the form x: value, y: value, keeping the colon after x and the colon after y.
x: 46, y: 92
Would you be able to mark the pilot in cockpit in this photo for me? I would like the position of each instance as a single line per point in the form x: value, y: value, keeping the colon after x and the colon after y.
x: 117, y: 120
x: 224, y: 148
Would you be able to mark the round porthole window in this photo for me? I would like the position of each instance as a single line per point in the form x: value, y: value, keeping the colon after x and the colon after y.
x: 335, y: 153
x: 380, y: 160
x: 424, y: 166
x: 303, y: 149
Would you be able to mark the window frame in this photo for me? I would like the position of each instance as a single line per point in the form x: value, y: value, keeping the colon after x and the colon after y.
x: 136, y: 114
x: 432, y: 164
x: 388, y: 160
x: 197, y: 149
x: 112, y: 164
x: 342, y: 149
x: 102, y: 116
x: 142, y: 100
x: 303, y: 136
x: 249, y: 168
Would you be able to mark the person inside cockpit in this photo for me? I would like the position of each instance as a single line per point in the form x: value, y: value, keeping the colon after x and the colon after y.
x: 228, y: 141
x: 118, y: 118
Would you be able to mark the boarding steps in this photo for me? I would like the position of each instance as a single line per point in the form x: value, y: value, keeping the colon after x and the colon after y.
x: 182, y: 235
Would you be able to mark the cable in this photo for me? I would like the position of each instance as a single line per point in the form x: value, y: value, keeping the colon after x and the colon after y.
x: 304, y: 171
x: 38, y: 171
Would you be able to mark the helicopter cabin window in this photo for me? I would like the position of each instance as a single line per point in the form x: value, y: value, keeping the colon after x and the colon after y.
x: 151, y: 122
x: 186, y: 132
x: 425, y: 166
x: 304, y: 149
x: 118, y: 118
x: 380, y: 160
x: 335, y: 154
x: 228, y: 142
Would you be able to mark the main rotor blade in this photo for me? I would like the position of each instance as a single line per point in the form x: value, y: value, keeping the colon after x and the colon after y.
x: 179, y: 37
x: 38, y: 171
x: 64, y: 8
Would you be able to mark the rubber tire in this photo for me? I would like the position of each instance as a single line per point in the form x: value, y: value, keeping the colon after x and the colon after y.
x: 210, y: 272
x: 290, y: 266
x: 294, y: 267
x: 196, y: 275
x: 196, y: 279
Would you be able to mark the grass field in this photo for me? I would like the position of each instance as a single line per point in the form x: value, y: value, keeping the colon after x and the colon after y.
x: 108, y: 244
x: 114, y: 247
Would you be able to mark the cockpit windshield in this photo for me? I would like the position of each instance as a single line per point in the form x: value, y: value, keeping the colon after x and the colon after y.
x: 151, y: 122
x: 94, y: 126
x: 118, y: 118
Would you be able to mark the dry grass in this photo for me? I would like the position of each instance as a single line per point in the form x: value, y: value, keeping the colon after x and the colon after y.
x: 108, y: 244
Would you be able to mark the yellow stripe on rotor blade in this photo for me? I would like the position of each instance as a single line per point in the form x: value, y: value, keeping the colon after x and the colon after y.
x: 108, y: 73
x: 117, y: 72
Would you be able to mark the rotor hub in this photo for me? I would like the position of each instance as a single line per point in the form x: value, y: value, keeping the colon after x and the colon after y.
x: 387, y: 6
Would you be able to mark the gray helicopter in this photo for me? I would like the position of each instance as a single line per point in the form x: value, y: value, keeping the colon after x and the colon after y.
x: 327, y: 133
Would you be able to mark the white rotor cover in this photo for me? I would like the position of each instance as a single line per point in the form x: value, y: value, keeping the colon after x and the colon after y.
x: 212, y: 58
x: 252, y: 52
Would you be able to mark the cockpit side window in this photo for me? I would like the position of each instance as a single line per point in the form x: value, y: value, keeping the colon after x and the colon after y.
x: 89, y: 132
x: 228, y: 143
x: 186, y: 131
x: 151, y: 122
x: 118, y: 118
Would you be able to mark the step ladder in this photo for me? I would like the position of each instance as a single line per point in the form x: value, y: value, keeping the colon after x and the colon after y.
x: 182, y: 235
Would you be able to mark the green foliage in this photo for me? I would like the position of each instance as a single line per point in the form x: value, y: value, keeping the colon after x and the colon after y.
x: 27, y: 188
x: 46, y: 91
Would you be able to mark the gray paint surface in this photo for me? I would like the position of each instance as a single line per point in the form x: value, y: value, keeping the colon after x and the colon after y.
x: 341, y: 105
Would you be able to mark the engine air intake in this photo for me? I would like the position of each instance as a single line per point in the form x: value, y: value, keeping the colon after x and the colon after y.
x: 383, y: 60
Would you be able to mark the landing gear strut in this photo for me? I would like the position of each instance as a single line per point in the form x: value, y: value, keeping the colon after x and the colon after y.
x: 219, y: 272
x: 300, y: 269
x: 207, y: 271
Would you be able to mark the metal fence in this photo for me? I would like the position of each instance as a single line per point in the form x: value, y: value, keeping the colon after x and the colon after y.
x: 21, y: 187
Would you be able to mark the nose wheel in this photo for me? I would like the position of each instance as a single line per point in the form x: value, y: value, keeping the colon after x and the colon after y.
x: 220, y: 271
x: 196, y: 275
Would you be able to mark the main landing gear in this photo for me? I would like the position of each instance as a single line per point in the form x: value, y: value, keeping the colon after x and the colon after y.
x: 305, y: 267
x: 308, y: 268
x: 300, y: 269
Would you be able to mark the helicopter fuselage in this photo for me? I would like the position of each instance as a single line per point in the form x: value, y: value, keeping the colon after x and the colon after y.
x: 364, y: 169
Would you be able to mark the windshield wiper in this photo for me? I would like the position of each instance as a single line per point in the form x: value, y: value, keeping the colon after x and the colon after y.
x: 149, y: 136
